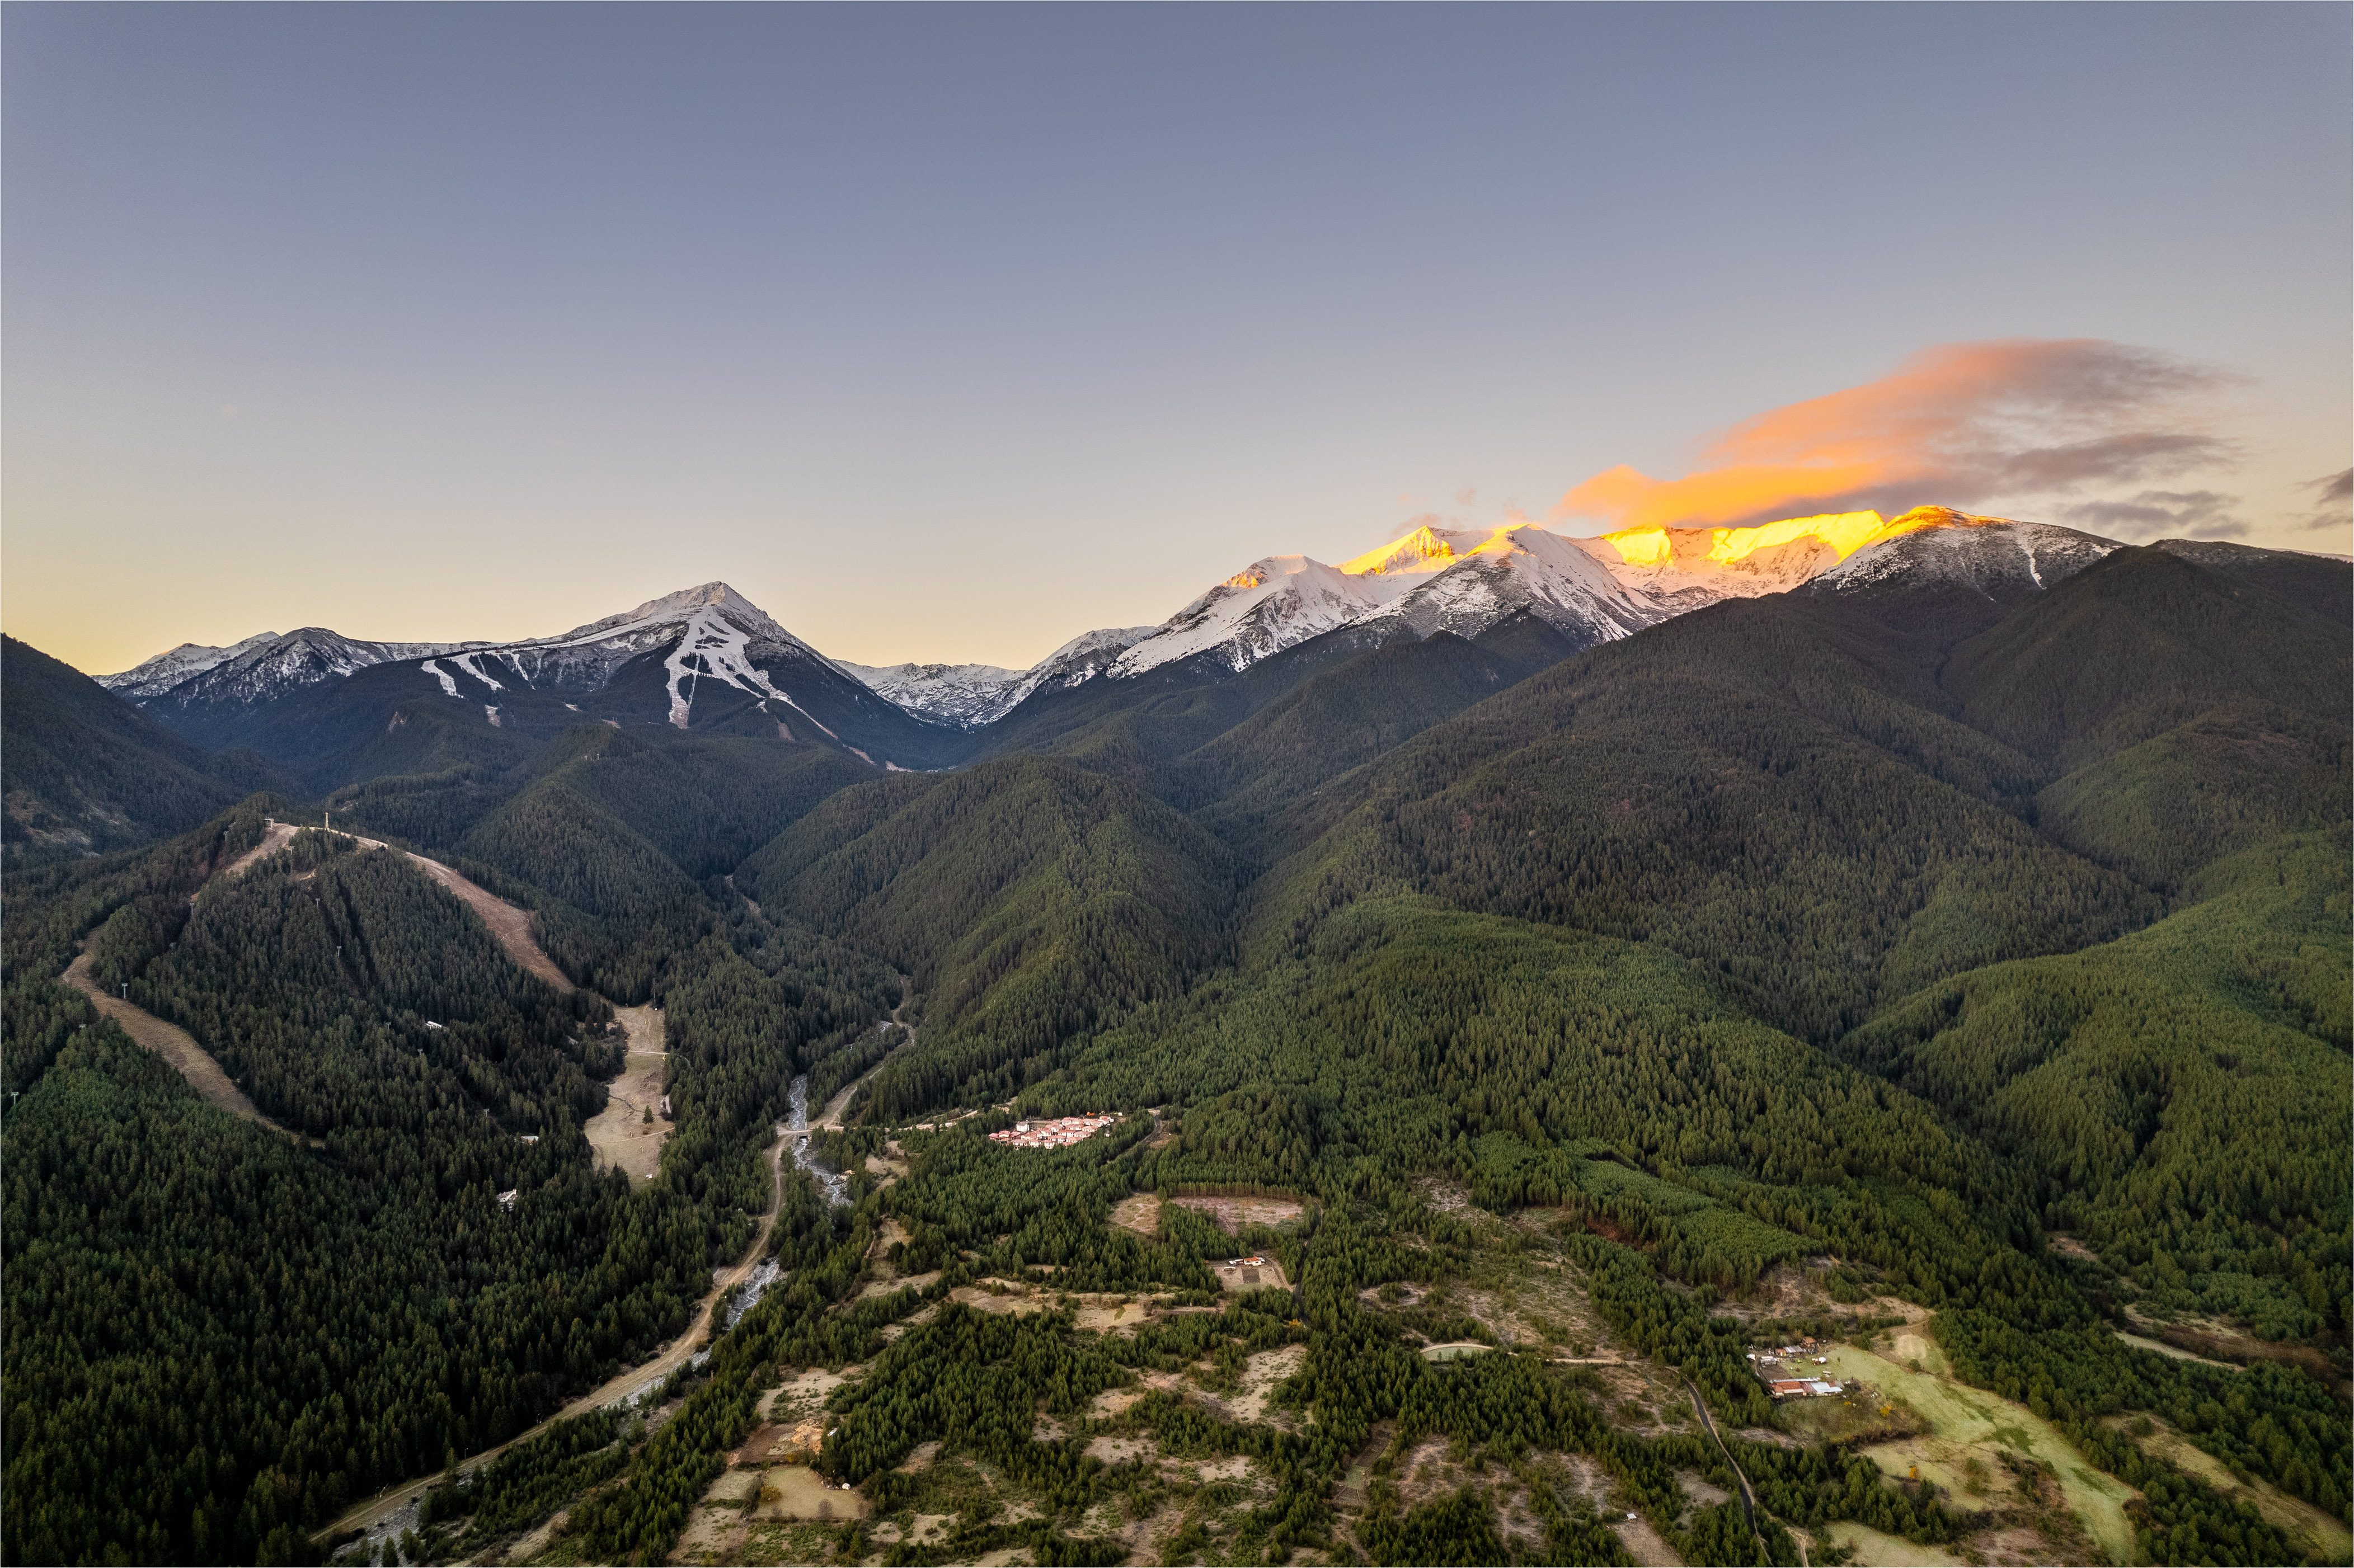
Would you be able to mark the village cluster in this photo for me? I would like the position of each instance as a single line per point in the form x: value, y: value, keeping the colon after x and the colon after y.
x: 1060, y: 1133
x: 1774, y: 1366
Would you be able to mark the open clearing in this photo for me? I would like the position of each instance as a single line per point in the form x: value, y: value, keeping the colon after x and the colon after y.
x: 274, y: 837
x: 1887, y: 1550
x: 1267, y: 1275
x: 2325, y: 1538
x: 796, y: 1491
x: 1962, y: 1418
x: 1233, y: 1213
x: 621, y: 1134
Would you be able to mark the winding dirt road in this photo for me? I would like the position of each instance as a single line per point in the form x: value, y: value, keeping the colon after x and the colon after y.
x: 174, y: 1044
x: 512, y: 926
x: 1749, y: 1498
x: 829, y: 1118
x: 614, y: 1390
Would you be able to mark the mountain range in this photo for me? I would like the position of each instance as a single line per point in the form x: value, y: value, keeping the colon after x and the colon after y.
x: 1629, y: 953
x: 653, y: 664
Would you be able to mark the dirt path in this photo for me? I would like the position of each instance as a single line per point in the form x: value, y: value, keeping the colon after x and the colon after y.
x: 175, y: 1045
x: 1749, y: 1498
x: 829, y: 1118
x: 276, y: 837
x: 510, y: 925
x: 614, y: 1390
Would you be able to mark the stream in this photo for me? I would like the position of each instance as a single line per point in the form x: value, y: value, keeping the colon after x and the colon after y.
x: 837, y: 1188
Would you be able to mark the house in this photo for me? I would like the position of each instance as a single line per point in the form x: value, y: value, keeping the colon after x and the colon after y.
x: 1800, y: 1388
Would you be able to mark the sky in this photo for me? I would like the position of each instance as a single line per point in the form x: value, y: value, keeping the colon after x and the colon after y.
x: 948, y: 334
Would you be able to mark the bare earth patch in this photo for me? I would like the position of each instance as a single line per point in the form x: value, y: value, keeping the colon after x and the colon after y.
x: 1107, y: 1317
x: 1015, y: 1300
x: 1267, y: 1275
x: 1233, y: 1213
x: 1261, y: 1373
x: 802, y: 1394
x: 275, y: 837
x: 1644, y: 1546
x: 620, y: 1134
x: 1140, y: 1213
x: 713, y: 1535
x: 174, y: 1044
x: 795, y: 1491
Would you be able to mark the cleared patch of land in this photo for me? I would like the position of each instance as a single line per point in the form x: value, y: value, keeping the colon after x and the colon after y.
x: 1961, y: 1419
x: 620, y: 1133
x: 796, y: 1491
x: 1267, y: 1276
x: 1140, y: 1213
x: 275, y: 837
x: 2325, y: 1538
x: 175, y: 1045
x: 1886, y: 1551
x: 2177, y: 1351
x: 1233, y: 1213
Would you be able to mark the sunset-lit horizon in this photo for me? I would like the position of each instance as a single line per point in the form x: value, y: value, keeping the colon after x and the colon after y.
x: 482, y: 323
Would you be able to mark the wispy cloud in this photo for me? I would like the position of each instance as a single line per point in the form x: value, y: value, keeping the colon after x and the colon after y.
x: 1959, y: 424
x: 2160, y: 514
x: 2333, y: 500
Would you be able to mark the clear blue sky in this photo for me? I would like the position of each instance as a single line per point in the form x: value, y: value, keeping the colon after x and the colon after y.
x: 949, y: 332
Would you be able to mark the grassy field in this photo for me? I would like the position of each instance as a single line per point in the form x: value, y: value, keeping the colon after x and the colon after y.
x: 1887, y: 1550
x: 2327, y: 1538
x: 1961, y: 1420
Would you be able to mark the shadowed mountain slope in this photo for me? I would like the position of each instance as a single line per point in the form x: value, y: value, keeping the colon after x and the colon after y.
x: 2139, y: 644
x: 81, y: 769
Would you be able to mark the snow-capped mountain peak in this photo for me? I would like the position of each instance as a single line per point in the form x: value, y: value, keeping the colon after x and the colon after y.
x: 1995, y: 556
x: 965, y: 695
x: 262, y: 666
x: 1270, y: 605
x: 154, y: 676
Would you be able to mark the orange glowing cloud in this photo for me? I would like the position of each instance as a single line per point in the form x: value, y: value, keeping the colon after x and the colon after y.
x: 1954, y: 426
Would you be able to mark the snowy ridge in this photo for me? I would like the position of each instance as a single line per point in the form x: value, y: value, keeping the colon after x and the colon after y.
x: 168, y: 669
x: 711, y: 632
x: 1682, y: 569
x: 965, y: 695
x: 263, y: 666
x: 1520, y: 568
x: 1996, y: 556
x: 1270, y: 605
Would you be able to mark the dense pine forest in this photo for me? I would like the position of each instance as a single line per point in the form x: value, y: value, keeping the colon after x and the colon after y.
x: 1963, y: 992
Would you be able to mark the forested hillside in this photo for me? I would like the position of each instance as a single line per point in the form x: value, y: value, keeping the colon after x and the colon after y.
x: 1505, y: 1049
x: 81, y: 770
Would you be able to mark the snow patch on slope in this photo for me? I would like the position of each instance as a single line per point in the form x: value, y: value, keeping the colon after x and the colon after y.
x: 1986, y: 554
x: 155, y: 676
x: 965, y: 695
